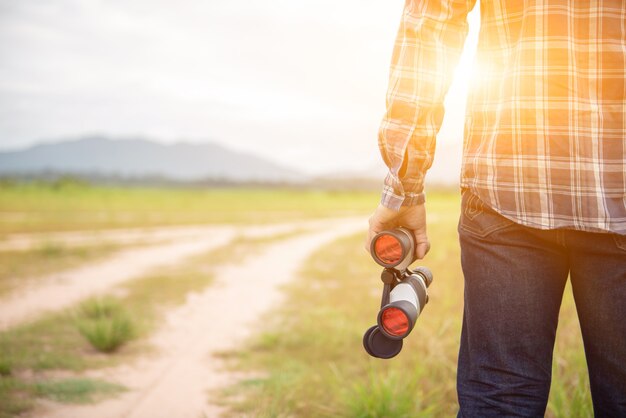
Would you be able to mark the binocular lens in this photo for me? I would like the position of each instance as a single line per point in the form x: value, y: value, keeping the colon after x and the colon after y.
x: 388, y: 249
x: 394, y: 248
x: 378, y: 345
x: 395, y: 322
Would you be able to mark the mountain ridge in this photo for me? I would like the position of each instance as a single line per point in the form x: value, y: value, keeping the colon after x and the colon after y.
x: 137, y: 157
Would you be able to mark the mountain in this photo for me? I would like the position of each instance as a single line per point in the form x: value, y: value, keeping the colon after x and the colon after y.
x: 140, y: 158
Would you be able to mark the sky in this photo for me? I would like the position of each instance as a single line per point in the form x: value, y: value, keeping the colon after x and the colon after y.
x: 300, y: 82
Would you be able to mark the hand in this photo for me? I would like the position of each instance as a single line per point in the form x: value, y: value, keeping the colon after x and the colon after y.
x: 410, y: 217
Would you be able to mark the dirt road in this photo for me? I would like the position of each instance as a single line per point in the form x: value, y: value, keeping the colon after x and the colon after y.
x: 24, y: 241
x: 176, y: 382
x: 63, y: 289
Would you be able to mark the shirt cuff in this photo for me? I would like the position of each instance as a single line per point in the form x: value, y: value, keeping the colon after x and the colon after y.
x: 393, y: 201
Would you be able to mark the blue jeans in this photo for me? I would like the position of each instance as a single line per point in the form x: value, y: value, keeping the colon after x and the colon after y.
x: 514, y: 282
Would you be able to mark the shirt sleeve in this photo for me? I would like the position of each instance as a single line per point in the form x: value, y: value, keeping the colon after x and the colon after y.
x: 426, y: 51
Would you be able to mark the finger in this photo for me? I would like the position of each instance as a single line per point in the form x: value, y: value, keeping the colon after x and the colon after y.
x: 374, y: 229
x: 422, y: 249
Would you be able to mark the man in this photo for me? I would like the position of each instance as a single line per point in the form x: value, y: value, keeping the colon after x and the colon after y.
x: 543, y: 186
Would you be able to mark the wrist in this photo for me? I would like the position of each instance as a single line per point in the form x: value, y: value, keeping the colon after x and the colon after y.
x: 414, y: 199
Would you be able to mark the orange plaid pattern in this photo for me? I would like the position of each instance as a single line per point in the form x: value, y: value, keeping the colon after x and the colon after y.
x: 545, y: 132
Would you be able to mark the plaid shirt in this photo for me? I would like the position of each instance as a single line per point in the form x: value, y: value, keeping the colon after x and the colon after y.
x: 545, y: 132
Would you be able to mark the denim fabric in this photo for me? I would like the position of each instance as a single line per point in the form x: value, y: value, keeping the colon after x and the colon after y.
x: 514, y: 282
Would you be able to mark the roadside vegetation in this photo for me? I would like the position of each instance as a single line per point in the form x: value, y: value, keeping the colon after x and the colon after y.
x: 308, y: 361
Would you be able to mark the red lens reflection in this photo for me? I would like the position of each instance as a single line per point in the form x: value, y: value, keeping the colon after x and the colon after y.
x: 395, y: 322
x: 388, y: 249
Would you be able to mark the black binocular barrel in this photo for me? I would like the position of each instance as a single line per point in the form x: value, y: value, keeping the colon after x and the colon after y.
x: 404, y: 294
x: 397, y: 318
x: 406, y: 302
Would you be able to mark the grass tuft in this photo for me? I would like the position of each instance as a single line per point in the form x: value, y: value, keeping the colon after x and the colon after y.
x: 105, y: 324
x: 384, y: 395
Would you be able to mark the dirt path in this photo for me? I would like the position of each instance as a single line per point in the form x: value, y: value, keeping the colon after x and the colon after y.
x: 134, y: 235
x: 66, y: 288
x: 122, y: 236
x: 176, y: 382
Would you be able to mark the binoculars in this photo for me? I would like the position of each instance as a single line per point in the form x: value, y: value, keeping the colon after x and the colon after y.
x: 405, y: 292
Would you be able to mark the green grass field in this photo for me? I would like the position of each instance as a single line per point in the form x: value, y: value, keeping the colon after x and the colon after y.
x: 38, y: 207
x: 306, y: 359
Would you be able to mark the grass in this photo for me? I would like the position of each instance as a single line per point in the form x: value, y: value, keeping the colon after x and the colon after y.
x: 5, y: 367
x: 308, y: 361
x: 19, y: 266
x: 392, y: 395
x: 17, y: 396
x: 37, y: 207
x: 76, y: 390
x: 105, y: 323
x: 51, y: 343
x: 56, y: 342
x: 569, y: 396
x: 312, y: 356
